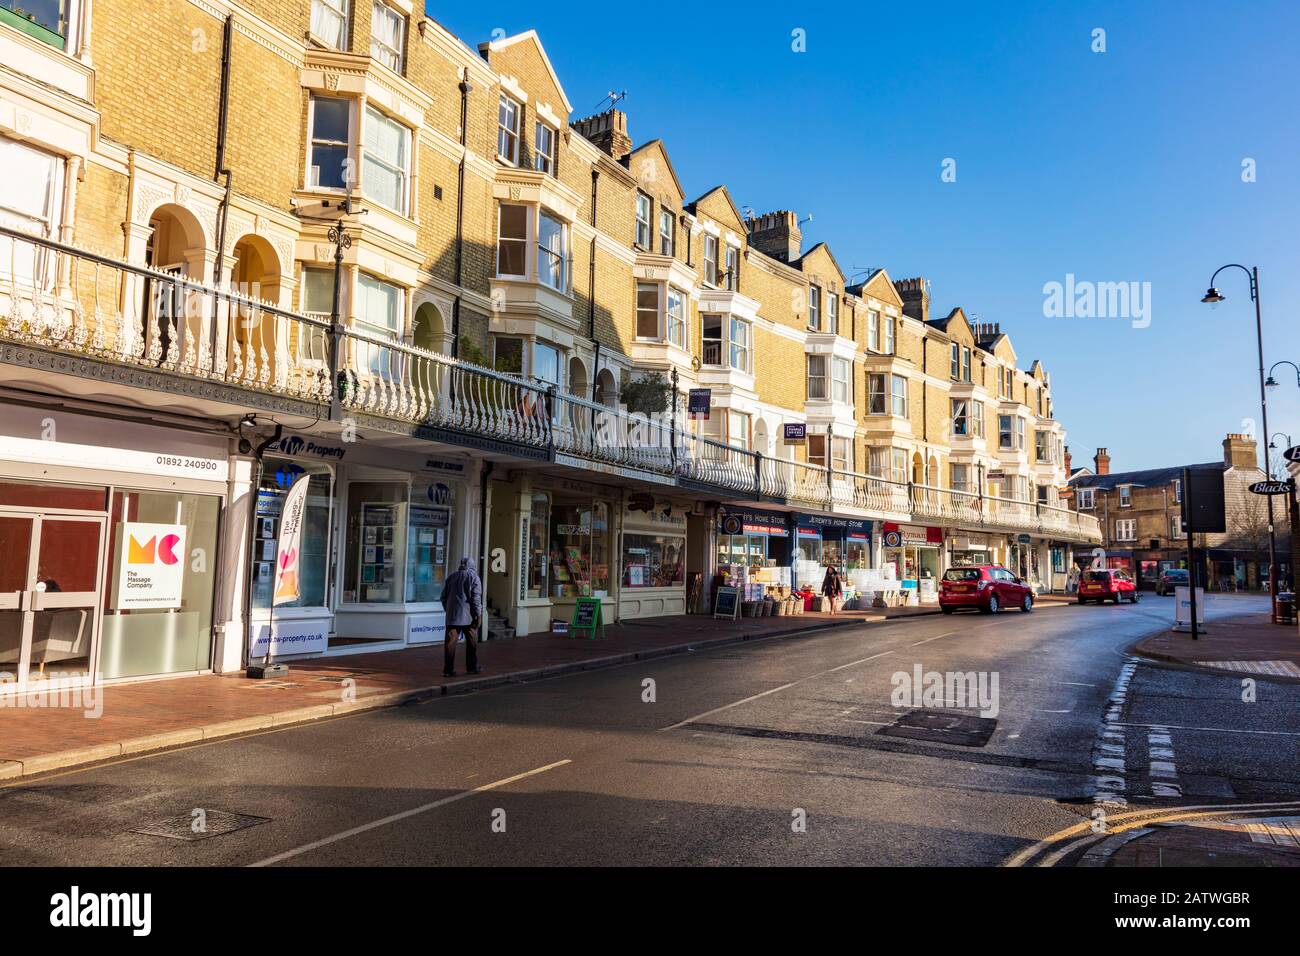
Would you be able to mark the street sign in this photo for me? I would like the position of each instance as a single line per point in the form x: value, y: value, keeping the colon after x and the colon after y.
x: 698, y: 402
x: 796, y: 433
x: 1273, y: 487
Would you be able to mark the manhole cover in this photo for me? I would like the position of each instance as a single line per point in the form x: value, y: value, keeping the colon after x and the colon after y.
x: 200, y: 824
x: 943, y: 726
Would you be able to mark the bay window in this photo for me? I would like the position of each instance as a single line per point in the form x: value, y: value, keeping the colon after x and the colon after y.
x: 878, y: 462
x: 676, y: 314
x: 330, y: 138
x: 876, y: 394
x: 738, y: 429
x: 740, y: 345
x: 508, y: 130
x: 898, y: 404
x: 551, y: 259
x: 329, y: 22
x: 512, y: 241
x: 387, y: 36
x: 1020, y: 433
x: 960, y: 417
x: 379, y: 306
x: 30, y: 201
x: 385, y: 161
x: 898, y: 465
x: 647, y: 310
x: 840, y: 380
x: 711, y: 333
x: 959, y: 477
x: 546, y: 363
x: 817, y: 378
x: 642, y: 236
x: 841, y: 455
x: 817, y: 450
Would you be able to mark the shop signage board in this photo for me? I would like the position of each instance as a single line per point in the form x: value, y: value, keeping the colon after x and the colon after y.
x: 1272, y: 487
x: 1183, y: 608
x: 698, y: 403
x: 745, y: 521
x: 587, y: 616
x: 1023, y: 538
x: 1292, y: 453
x: 291, y: 637
x: 726, y: 603
x: 795, y: 433
x: 152, y: 562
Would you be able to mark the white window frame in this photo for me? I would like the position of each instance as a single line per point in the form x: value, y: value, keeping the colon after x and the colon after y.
x: 508, y: 135
x: 731, y: 279
x: 337, y: 11
x: 392, y: 57
x: 392, y: 329
x: 890, y: 328
x: 641, y: 230
x: 667, y: 232
x: 873, y: 330
x: 1087, y: 499
x: 710, y: 259
x: 721, y: 340
x: 1178, y: 491
x: 897, y: 396
x: 976, y: 414
x: 1007, y: 435
x: 524, y: 241
x: 818, y: 378
x: 954, y: 361
x: 658, y: 289
x: 675, y: 316
x: 965, y: 364
x: 960, y: 418
x: 743, y: 350
x: 403, y: 171
x: 1176, y: 529
x: 1123, y: 525
x: 841, y: 380
x: 349, y: 171
x: 544, y: 159
x: 562, y: 255
x: 898, y: 465
x: 815, y: 308
x: 1125, y: 496
x: 877, y: 388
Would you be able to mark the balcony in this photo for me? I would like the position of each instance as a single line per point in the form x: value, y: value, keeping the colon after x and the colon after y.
x: 133, y: 330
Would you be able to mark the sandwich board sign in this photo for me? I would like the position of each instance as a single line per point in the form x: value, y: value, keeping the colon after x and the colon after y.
x: 726, y: 603
x: 1183, y: 608
x: 587, y: 617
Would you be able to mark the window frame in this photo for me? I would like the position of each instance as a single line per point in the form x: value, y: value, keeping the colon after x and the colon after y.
x: 525, y: 241
x: 833, y: 313
x: 1090, y: 496
x: 1125, y: 496
x: 841, y: 380
x: 397, y: 53
x: 874, y: 393
x: 403, y: 172
x: 544, y: 159
x: 678, y: 322
x: 641, y: 311
x: 342, y: 11
x: 814, y: 307
x: 667, y: 240
x: 895, y: 397
x: 511, y: 135
x: 639, y: 224
x: 873, y: 330
x: 822, y: 377
x: 561, y: 256
x: 349, y: 169
x: 710, y: 261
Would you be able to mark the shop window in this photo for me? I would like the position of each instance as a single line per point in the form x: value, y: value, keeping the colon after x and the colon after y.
x: 376, y: 547
x: 652, y: 561
x: 579, y: 549
x: 428, y: 543
x: 278, y: 475
x: 174, y: 633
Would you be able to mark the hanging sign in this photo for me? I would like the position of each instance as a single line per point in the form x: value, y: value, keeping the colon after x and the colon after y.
x: 288, y: 546
x: 1271, y: 488
x: 151, y: 562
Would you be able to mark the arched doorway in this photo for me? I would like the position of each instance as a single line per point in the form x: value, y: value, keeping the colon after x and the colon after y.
x: 257, y: 336
x: 430, y: 331
x: 606, y: 388
x: 170, y: 322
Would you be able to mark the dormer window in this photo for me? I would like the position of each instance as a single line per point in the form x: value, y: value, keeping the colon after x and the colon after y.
x: 642, y: 237
x: 508, y: 131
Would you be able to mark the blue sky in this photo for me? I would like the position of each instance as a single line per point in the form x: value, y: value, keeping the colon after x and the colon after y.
x: 1118, y: 166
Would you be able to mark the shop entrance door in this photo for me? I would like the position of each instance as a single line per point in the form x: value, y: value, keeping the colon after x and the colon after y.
x: 50, y: 580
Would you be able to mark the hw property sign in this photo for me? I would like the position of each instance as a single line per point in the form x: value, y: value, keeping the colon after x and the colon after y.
x: 795, y: 433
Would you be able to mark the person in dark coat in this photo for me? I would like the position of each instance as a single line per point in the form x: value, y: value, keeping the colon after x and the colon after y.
x: 462, y: 596
x: 833, y: 587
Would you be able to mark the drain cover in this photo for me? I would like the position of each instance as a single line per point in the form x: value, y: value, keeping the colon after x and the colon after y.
x: 199, y: 825
x: 943, y: 726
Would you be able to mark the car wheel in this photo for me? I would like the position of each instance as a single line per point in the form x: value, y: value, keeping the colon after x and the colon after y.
x: 1082, y: 601
x: 1027, y: 604
x: 1136, y: 597
x: 946, y: 610
x: 994, y: 607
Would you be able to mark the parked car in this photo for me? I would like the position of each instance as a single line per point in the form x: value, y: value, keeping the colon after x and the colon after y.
x: 1107, y: 584
x: 986, y: 587
x: 1172, y: 578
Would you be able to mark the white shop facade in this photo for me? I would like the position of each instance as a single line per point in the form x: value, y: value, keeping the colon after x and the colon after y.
x: 382, y: 529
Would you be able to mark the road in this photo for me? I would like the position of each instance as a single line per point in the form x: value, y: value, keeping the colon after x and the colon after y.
x: 769, y: 753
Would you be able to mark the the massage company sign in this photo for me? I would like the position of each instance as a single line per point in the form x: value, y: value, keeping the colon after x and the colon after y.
x: 151, y: 566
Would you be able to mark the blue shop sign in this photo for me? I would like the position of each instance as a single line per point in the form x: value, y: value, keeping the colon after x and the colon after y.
x: 750, y: 521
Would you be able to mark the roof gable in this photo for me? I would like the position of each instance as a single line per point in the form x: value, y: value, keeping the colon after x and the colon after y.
x: 507, y: 55
x: 648, y: 163
x: 717, y: 205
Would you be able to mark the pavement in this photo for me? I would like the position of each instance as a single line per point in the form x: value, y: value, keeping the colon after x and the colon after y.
x: 132, y: 718
x: 1249, y: 644
x: 809, y: 749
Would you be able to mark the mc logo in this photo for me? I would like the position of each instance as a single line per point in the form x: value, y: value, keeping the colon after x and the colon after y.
x: 164, y: 548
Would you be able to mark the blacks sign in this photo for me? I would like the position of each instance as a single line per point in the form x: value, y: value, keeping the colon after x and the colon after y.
x: 1273, y: 487
x: 1292, y: 453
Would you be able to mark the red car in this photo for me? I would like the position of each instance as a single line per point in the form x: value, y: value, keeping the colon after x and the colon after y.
x: 1107, y: 584
x: 986, y: 587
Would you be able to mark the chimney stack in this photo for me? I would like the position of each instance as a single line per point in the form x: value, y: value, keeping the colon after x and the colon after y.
x: 915, y: 294
x: 1101, y: 462
x: 776, y: 234
x: 1068, y: 460
x: 608, y: 130
x: 1239, y: 452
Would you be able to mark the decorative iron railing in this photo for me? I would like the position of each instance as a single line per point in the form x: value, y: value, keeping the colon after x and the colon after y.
x: 64, y: 299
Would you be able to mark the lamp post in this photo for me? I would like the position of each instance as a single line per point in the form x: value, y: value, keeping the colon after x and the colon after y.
x: 1213, y: 297
x: 1273, y: 445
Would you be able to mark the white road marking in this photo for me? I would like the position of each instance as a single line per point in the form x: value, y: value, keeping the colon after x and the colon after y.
x: 774, y: 690
x: 935, y: 638
x: 1109, y: 783
x: 1217, y: 730
x: 1161, y: 767
x: 375, y: 824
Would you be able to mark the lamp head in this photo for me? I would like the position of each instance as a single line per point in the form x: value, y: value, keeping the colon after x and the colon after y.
x: 1212, y: 296
x: 1270, y: 382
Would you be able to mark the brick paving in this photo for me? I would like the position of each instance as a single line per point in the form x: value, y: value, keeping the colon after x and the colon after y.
x: 1248, y: 644
x: 1241, y: 842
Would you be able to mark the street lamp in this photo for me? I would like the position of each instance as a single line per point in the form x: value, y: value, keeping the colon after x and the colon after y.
x: 1273, y: 447
x: 1214, y: 297
x: 1271, y: 382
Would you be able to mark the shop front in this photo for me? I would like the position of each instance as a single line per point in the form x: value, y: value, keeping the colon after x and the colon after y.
x: 825, y: 541
x: 570, y: 546
x: 109, y: 537
x: 971, y: 550
x: 382, y: 529
x: 652, y: 580
x: 916, y: 554
x: 753, y: 549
